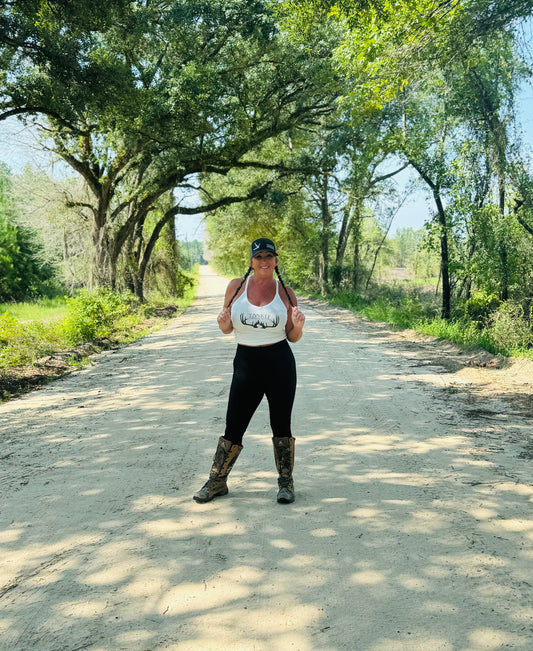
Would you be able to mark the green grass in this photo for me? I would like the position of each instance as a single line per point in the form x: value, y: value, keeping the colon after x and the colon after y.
x: 460, y: 332
x: 44, y: 308
x: 31, y: 331
x: 498, y: 335
x: 24, y: 342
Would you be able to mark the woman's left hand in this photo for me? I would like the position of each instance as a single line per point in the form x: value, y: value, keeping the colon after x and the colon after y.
x: 298, y: 319
x: 224, y: 321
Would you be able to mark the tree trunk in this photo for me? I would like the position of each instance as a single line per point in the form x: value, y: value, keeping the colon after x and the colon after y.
x: 344, y: 233
x: 444, y: 255
x: 443, y: 235
x: 148, y: 250
x: 376, y: 253
x: 138, y: 284
x: 342, y: 241
x: 101, y: 268
x: 356, y: 231
x: 139, y: 259
x: 503, y: 243
x: 323, y: 265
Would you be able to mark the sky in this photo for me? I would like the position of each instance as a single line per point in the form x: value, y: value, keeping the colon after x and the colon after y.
x: 19, y: 146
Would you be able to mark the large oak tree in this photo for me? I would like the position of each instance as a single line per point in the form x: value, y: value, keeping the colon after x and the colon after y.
x: 140, y: 98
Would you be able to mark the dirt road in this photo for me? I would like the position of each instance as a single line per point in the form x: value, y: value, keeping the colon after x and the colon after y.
x: 412, y: 528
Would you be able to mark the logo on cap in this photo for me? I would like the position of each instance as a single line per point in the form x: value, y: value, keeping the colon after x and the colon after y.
x: 262, y: 244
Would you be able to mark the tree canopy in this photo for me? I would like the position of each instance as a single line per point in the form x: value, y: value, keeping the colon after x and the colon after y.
x: 146, y: 96
x: 289, y: 119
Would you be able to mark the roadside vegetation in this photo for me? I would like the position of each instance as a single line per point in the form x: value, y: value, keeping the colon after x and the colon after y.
x: 53, y: 315
x: 309, y: 122
x: 483, y: 322
x: 51, y: 337
x: 40, y: 309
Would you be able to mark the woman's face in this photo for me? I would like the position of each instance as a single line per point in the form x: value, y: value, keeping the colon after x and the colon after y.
x: 264, y: 263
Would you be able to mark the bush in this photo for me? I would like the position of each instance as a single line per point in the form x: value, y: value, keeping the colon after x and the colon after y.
x: 480, y: 306
x: 510, y: 329
x: 9, y: 327
x: 10, y: 330
x: 93, y: 314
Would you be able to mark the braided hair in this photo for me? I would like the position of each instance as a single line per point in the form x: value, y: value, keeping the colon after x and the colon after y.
x: 283, y: 285
x: 278, y: 273
x: 239, y: 287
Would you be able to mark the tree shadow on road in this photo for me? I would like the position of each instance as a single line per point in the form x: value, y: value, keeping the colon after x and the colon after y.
x: 405, y: 533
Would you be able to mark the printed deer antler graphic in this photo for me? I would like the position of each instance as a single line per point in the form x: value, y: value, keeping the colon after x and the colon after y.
x: 259, y: 323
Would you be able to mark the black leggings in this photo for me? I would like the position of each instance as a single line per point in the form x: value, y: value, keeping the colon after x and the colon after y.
x: 259, y: 371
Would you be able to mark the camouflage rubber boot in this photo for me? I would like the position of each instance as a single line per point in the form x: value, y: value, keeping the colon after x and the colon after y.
x: 284, y: 455
x: 225, y: 456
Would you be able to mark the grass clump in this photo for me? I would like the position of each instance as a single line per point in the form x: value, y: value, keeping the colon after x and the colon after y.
x: 408, y: 312
x: 511, y: 330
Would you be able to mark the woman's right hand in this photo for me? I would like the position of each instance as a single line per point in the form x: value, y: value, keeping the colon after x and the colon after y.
x: 224, y: 321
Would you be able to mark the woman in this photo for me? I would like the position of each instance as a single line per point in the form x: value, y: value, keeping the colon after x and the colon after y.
x: 263, y: 319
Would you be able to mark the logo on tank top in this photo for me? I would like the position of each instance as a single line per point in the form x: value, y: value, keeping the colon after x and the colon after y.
x: 259, y: 321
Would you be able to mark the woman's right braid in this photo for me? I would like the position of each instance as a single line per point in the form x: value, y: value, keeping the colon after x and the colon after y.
x: 239, y: 287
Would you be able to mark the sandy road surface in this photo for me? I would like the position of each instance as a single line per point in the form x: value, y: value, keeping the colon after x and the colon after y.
x: 412, y: 529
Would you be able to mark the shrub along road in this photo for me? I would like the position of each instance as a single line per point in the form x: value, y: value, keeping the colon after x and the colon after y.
x: 412, y: 527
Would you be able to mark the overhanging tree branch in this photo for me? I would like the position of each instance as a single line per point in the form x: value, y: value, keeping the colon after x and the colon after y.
x: 42, y: 110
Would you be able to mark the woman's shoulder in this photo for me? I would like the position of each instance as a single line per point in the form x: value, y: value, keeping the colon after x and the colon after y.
x: 234, y: 288
x: 234, y: 283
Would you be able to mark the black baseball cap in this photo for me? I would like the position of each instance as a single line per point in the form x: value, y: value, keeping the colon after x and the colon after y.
x: 262, y: 244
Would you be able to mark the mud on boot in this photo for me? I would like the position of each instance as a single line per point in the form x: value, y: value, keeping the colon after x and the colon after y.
x: 284, y: 456
x: 225, y: 456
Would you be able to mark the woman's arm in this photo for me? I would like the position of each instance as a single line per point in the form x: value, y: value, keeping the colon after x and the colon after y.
x: 224, y: 318
x: 295, y: 320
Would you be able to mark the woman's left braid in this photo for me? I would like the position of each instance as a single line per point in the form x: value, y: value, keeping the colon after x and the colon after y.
x: 283, y: 285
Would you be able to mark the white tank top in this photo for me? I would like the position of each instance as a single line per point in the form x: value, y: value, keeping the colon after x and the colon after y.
x: 258, y: 325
